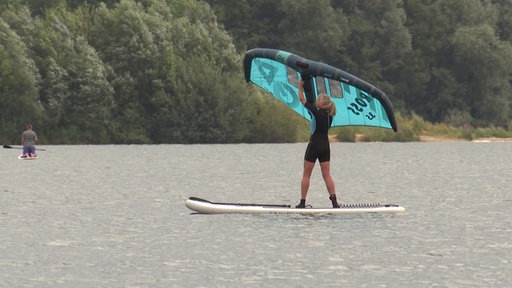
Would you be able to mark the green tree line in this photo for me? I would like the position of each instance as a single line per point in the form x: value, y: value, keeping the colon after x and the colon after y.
x: 447, y: 61
x: 170, y: 71
x: 126, y: 72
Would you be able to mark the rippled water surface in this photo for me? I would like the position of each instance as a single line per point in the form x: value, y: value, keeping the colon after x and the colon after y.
x: 114, y: 216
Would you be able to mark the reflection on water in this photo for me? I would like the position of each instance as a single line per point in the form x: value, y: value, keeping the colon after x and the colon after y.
x: 114, y: 216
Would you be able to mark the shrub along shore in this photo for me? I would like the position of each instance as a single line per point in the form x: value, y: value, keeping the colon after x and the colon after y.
x: 416, y: 129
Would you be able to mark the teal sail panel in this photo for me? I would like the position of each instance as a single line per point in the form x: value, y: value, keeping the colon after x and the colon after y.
x: 358, y: 103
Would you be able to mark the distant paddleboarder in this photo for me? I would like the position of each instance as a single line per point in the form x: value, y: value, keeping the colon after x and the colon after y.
x: 29, y: 140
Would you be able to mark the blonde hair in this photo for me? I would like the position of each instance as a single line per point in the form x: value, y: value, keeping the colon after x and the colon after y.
x: 326, y: 103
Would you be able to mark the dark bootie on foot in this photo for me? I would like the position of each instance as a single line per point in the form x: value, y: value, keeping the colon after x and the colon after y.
x: 302, y: 204
x: 334, y: 201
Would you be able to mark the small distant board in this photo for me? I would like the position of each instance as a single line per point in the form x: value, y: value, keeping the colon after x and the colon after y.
x: 27, y: 158
x: 207, y: 207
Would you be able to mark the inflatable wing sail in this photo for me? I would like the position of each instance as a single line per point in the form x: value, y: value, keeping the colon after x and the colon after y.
x: 358, y: 103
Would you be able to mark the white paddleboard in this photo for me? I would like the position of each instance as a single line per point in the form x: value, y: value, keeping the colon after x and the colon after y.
x: 27, y: 158
x: 206, y: 207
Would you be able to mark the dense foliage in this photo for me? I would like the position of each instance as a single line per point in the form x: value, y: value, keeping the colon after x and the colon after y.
x: 125, y: 72
x: 169, y: 71
x: 447, y: 61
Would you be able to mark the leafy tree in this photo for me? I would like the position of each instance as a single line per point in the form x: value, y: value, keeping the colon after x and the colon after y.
x: 38, y: 7
x: 251, y: 23
x: 424, y: 84
x: 479, y: 60
x: 504, y: 24
x: 378, y: 43
x: 205, y: 106
x: 19, y: 80
x: 203, y: 99
x: 175, y: 68
x: 432, y: 84
x: 76, y: 92
x: 126, y: 44
x: 272, y: 121
x: 312, y: 29
x: 484, y: 63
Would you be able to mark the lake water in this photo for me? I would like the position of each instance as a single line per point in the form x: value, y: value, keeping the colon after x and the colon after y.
x: 114, y: 216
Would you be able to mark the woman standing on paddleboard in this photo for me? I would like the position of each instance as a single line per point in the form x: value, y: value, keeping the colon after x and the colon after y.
x: 318, y: 146
x: 29, y: 139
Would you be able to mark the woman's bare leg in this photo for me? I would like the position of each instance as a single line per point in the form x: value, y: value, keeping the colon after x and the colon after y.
x: 326, y: 174
x: 329, y: 183
x: 306, y: 176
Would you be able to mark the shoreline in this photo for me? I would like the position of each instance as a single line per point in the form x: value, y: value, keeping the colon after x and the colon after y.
x: 447, y: 139
x: 425, y: 138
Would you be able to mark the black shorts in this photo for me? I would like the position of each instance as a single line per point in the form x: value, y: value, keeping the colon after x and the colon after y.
x: 318, y: 149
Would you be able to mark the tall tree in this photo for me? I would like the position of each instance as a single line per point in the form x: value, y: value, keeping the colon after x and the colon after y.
x: 19, y: 79
x: 203, y: 99
x: 75, y: 92
x: 484, y: 62
x: 251, y: 23
x: 313, y: 29
x: 126, y: 44
x: 378, y: 43
x: 504, y: 25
